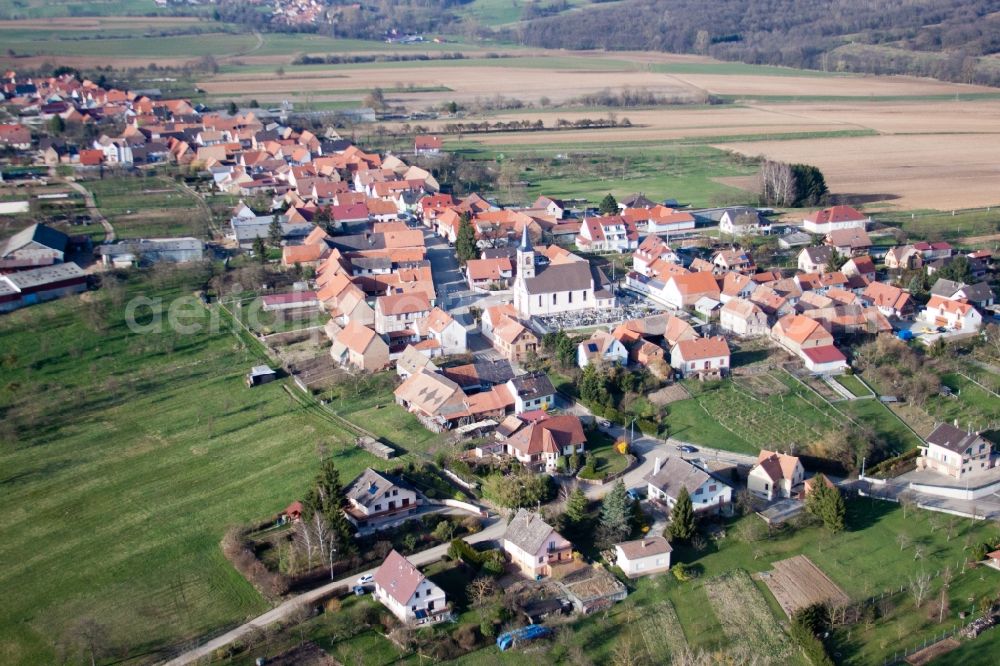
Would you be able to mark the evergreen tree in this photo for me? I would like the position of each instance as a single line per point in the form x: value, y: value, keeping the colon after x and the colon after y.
x: 57, y: 125
x: 576, y: 508
x: 274, y: 233
x: 260, y: 250
x: 609, y: 205
x: 957, y: 270
x: 233, y: 109
x: 810, y: 185
x: 682, y: 517
x: 827, y: 504
x: 465, y: 240
x: 616, y: 514
x: 833, y: 263
x: 326, y: 497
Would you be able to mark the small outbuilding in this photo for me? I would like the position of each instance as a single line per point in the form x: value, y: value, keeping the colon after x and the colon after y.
x: 260, y: 374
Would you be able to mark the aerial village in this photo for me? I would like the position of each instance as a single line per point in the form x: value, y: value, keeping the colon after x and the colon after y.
x: 515, y: 333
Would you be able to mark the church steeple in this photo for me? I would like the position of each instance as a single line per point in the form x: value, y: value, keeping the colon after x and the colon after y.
x: 525, y: 256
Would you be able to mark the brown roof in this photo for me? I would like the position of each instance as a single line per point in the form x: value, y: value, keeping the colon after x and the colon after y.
x: 575, y: 275
x: 777, y: 465
x: 836, y: 214
x: 356, y: 337
x: 696, y: 283
x: 699, y: 348
x: 396, y: 304
x: 654, y: 545
x: 799, y: 329
x: 549, y: 435
x: 398, y: 577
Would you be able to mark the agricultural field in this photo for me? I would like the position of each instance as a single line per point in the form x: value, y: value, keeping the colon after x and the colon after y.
x: 746, y: 618
x: 149, y: 207
x: 116, y: 506
x: 797, y: 583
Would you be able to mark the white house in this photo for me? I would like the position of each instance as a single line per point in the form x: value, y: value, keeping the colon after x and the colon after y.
x: 815, y: 259
x: 651, y: 249
x: 601, y: 347
x: 441, y: 327
x: 953, y: 315
x: 542, y: 443
x: 743, y: 222
x: 534, y: 546
x: 408, y: 594
x: 701, y: 357
x: 643, y: 557
x: 708, y: 494
x: 606, y: 234
x: 955, y: 452
x: 775, y: 475
x: 532, y: 391
x: 837, y: 217
x: 374, y: 497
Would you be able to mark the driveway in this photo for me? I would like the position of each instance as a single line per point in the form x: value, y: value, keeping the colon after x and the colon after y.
x: 492, y: 532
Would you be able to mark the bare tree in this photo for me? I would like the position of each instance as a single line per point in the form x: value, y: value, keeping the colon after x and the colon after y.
x: 480, y: 589
x: 776, y: 183
x: 90, y: 638
x: 904, y: 540
x: 919, y: 587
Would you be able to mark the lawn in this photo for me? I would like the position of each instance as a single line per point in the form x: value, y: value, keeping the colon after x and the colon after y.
x: 125, y: 456
x: 943, y: 225
x: 148, y: 207
x: 606, y: 459
x: 145, y: 48
x: 854, y: 385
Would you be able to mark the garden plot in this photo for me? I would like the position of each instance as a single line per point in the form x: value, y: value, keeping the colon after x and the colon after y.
x: 797, y: 583
x: 746, y: 620
x: 764, y: 385
x: 661, y: 632
x: 669, y: 394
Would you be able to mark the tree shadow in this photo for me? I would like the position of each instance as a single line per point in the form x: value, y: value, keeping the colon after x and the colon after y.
x: 863, y: 513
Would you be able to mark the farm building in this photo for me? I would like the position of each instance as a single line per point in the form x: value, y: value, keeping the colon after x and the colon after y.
x: 28, y: 287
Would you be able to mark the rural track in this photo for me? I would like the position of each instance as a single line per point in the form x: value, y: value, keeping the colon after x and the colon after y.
x: 88, y: 198
x: 284, y: 610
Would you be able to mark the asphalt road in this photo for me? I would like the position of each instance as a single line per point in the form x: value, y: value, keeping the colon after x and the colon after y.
x: 491, y: 532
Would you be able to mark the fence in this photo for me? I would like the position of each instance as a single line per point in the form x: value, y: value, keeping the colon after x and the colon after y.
x: 900, y: 656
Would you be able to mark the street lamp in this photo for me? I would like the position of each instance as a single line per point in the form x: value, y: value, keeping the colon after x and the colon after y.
x: 632, y: 436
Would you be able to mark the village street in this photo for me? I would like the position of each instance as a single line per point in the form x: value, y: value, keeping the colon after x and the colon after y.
x: 493, y: 530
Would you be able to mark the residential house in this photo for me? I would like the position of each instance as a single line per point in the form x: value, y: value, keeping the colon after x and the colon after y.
x: 952, y: 315
x: 442, y: 328
x: 861, y: 266
x: 810, y: 341
x: 733, y: 260
x: 652, y: 249
x: 424, y: 144
x: 701, y: 357
x: 934, y: 251
x: 834, y: 218
x: 601, y: 347
x: 555, y: 208
x: 743, y: 221
x: 708, y: 494
x: 736, y: 285
x: 15, y: 136
x: 532, y: 391
x: 903, y: 257
x: 743, y: 318
x: 409, y: 595
x: 849, y: 242
x: 513, y: 340
x: 534, y: 546
x: 489, y: 273
x: 891, y: 301
x: 795, y: 239
x: 776, y: 475
x: 433, y: 398
x: 412, y: 361
x: 396, y: 313
x: 979, y: 294
x: 609, y: 233
x: 374, y: 498
x: 360, y: 347
x: 643, y: 557
x: 954, y: 452
x: 681, y: 291
x: 815, y: 259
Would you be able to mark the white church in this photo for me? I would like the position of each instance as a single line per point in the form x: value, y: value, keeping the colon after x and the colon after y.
x: 567, y: 283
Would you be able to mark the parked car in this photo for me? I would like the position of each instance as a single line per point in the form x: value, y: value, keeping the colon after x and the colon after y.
x: 686, y: 448
x: 605, y: 423
x: 367, y: 579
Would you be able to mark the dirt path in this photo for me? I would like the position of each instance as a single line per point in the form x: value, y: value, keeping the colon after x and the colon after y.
x: 281, y: 612
x: 109, y: 230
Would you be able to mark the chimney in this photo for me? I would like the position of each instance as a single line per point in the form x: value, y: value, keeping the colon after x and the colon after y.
x: 656, y: 466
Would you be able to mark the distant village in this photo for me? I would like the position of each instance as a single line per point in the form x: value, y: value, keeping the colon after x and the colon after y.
x: 409, y: 277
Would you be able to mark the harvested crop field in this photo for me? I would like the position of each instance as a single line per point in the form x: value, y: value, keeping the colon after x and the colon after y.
x: 797, y: 583
x: 850, y: 86
x: 932, y: 652
x: 746, y: 619
x: 942, y: 172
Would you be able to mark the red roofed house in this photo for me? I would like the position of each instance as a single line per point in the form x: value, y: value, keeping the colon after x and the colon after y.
x: 400, y: 312
x: 953, y: 315
x: 15, y: 136
x: 543, y: 442
x: 838, y: 217
x: 891, y: 301
x: 701, y: 357
x: 807, y: 339
x: 609, y: 233
x: 91, y: 157
x: 408, y: 594
x: 483, y: 273
x: 861, y: 266
x: 685, y: 290
x: 424, y: 144
x: 775, y: 475
x: 360, y: 347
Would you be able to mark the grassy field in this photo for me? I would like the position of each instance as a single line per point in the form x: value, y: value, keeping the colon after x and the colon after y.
x: 124, y: 457
x: 854, y: 385
x: 19, y: 9
x: 944, y: 225
x: 148, y: 207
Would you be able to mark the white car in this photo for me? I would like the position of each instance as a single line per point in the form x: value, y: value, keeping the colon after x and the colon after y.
x: 367, y: 579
